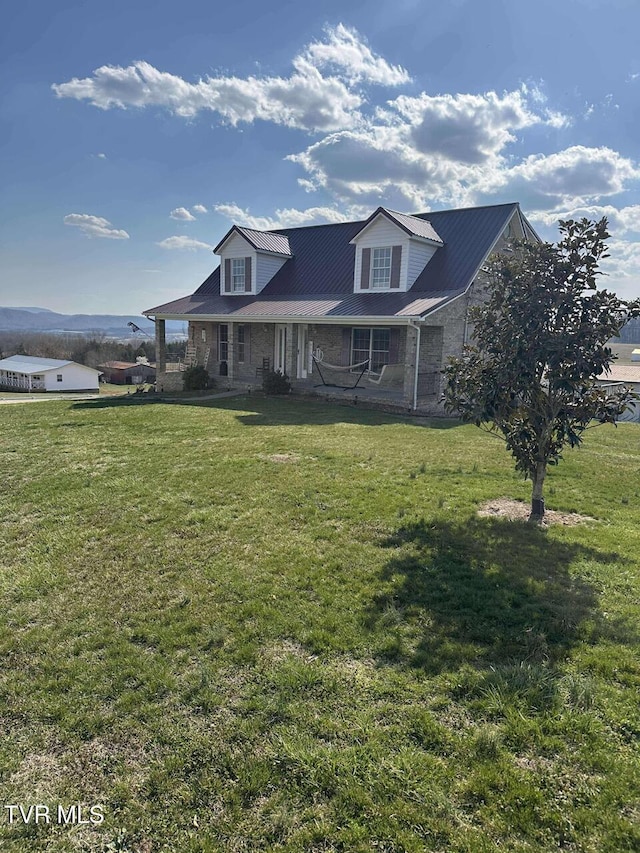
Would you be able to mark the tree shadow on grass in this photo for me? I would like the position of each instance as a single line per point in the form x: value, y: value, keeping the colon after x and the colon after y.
x: 486, y: 592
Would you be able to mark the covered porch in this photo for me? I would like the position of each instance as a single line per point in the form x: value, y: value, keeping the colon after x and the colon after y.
x: 384, y: 362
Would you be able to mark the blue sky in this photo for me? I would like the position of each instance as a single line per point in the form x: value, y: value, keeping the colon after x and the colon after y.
x: 136, y: 134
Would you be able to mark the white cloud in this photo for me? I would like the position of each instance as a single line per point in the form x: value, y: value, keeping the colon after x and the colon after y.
x: 622, y: 268
x: 95, y: 226
x: 346, y: 51
x: 183, y: 214
x: 463, y: 128
x: 306, y: 100
x: 376, y: 164
x: 424, y: 149
x: 102, y: 156
x: 621, y: 220
x: 285, y: 218
x: 570, y: 178
x: 416, y: 152
x: 182, y: 242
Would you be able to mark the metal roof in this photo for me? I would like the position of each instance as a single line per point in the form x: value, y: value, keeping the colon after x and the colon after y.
x: 318, y: 279
x: 31, y: 364
x: 124, y: 365
x: 413, y: 225
x: 262, y: 241
x: 621, y: 373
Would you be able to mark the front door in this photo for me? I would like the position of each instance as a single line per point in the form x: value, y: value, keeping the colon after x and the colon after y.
x: 280, y: 353
x: 302, y: 360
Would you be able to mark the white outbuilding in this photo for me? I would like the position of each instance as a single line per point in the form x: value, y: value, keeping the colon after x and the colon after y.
x: 30, y: 373
x: 620, y: 375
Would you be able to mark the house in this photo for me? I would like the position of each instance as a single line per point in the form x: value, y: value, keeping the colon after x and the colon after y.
x: 619, y: 376
x: 30, y: 373
x: 127, y: 372
x: 387, y: 297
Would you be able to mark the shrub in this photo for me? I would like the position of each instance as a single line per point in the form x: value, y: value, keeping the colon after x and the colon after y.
x: 276, y: 382
x: 196, y: 378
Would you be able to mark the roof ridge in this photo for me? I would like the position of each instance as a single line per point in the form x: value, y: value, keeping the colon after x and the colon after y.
x: 389, y: 210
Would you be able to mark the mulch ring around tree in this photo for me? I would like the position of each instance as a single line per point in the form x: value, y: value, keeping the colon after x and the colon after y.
x: 519, y: 511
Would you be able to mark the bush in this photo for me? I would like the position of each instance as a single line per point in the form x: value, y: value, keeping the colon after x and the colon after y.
x: 196, y: 378
x: 276, y: 382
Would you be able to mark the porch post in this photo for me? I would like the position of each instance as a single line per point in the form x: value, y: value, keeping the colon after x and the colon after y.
x: 290, y: 353
x: 411, y: 365
x: 230, y: 354
x: 161, y: 347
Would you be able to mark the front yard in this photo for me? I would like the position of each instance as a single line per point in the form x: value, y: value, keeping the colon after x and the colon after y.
x: 260, y: 625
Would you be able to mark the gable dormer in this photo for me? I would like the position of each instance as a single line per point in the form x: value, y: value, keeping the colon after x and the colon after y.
x: 392, y: 249
x: 249, y: 259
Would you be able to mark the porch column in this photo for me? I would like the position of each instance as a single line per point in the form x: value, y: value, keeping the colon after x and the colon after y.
x: 410, y: 362
x: 290, y: 353
x: 161, y: 347
x: 231, y: 354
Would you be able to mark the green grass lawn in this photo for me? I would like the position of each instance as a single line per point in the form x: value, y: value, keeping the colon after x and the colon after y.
x: 106, y: 389
x: 262, y: 625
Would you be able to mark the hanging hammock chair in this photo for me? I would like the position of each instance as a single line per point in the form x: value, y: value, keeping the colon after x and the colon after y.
x: 318, y: 360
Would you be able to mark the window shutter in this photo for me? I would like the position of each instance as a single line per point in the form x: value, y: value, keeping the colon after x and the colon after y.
x: 394, y: 341
x: 346, y: 346
x: 247, y: 275
x: 396, y: 257
x: 247, y: 343
x: 227, y: 275
x: 364, y: 272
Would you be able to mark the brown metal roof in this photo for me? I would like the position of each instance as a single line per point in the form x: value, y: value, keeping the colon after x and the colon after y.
x: 412, y: 225
x: 123, y: 365
x: 262, y: 241
x: 318, y: 278
x: 389, y: 305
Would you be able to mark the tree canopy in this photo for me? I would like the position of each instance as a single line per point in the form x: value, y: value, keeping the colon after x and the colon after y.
x: 539, y: 340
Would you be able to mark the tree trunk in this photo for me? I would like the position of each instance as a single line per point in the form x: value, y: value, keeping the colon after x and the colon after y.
x: 537, y: 500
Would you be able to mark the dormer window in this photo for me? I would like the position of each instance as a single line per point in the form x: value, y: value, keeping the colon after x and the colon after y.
x: 392, y: 250
x: 381, y: 268
x: 238, y: 275
x: 249, y: 259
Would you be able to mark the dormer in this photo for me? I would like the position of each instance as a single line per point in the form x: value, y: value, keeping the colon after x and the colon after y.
x: 249, y: 259
x: 392, y: 249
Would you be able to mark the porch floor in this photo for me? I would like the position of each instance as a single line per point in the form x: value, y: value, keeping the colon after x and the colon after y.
x: 364, y: 391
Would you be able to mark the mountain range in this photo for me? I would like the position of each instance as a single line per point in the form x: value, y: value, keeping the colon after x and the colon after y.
x: 44, y: 320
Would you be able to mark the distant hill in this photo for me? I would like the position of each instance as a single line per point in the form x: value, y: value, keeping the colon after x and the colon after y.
x: 44, y: 320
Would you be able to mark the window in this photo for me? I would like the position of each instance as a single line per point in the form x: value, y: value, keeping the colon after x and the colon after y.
x: 381, y: 268
x: 237, y: 275
x: 204, y: 335
x: 240, y: 339
x: 59, y: 377
x: 372, y: 344
x: 223, y: 342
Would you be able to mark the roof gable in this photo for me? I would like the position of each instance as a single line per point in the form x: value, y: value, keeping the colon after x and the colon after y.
x: 261, y: 241
x: 414, y: 226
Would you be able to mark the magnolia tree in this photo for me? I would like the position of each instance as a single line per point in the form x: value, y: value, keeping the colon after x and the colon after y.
x: 538, y: 343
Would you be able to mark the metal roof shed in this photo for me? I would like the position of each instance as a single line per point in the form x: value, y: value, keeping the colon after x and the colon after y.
x: 31, y: 373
